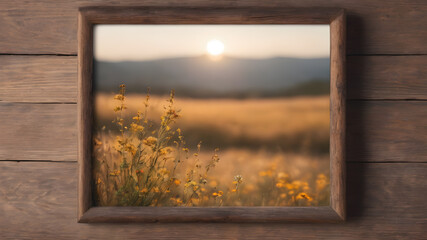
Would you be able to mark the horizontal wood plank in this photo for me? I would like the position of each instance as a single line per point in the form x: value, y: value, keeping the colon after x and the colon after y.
x: 51, y: 26
x: 377, y: 131
x: 54, y: 78
x: 387, y: 77
x: 387, y: 131
x: 38, y: 131
x: 385, y: 201
x: 38, y: 78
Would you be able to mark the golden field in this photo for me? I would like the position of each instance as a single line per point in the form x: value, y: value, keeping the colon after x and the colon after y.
x: 211, y: 152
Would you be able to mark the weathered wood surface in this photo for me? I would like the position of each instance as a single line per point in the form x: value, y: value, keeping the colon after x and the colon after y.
x: 387, y: 77
x: 390, y: 131
x: 387, y: 200
x: 84, y: 114
x: 54, y: 78
x: 374, y: 27
x: 338, y: 94
x: 38, y: 78
x: 38, y: 131
x: 377, y: 131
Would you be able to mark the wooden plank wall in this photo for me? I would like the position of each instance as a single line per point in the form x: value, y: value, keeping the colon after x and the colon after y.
x: 387, y: 126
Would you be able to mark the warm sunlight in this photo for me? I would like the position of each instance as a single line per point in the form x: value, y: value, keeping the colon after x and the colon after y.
x: 215, y: 47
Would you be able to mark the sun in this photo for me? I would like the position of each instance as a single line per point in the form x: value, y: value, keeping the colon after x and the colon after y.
x: 215, y: 47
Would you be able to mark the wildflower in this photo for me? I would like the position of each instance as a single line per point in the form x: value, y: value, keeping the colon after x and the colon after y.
x: 165, y: 151
x: 150, y: 141
x: 177, y: 182
x: 135, y: 127
x: 99, y: 181
x: 119, y: 97
x: 144, y: 190
x: 130, y: 148
x: 238, y: 178
x: 304, y: 196
x: 280, y: 185
x: 283, y: 195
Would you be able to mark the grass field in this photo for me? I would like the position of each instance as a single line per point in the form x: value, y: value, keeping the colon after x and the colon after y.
x: 271, y: 152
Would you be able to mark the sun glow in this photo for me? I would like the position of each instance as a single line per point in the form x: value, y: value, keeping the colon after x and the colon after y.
x: 215, y: 47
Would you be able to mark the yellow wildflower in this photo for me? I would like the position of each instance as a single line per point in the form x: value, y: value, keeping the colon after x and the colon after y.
x: 304, y: 196
x: 177, y: 182
x: 119, y: 97
x: 150, y: 141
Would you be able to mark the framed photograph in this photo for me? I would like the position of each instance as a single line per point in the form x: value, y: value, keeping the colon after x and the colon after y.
x: 211, y: 114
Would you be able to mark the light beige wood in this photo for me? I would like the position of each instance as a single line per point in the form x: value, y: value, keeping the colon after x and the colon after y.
x: 38, y: 78
x: 38, y: 132
x: 374, y: 27
x: 385, y: 201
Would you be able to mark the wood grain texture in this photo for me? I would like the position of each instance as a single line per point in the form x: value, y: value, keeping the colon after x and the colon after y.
x: 377, y: 131
x: 372, y: 25
x: 387, y: 131
x: 323, y: 214
x: 387, y: 77
x: 337, y: 124
x: 38, y: 78
x: 208, y: 15
x: 85, y: 114
x: 38, y: 131
x: 38, y: 200
x: 53, y: 78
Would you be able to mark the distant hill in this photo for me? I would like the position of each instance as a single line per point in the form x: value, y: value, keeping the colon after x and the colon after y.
x: 228, y: 77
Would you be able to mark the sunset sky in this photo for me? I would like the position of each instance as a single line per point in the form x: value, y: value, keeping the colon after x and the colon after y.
x: 148, y: 42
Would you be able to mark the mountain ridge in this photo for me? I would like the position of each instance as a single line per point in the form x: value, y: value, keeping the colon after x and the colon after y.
x: 204, y: 77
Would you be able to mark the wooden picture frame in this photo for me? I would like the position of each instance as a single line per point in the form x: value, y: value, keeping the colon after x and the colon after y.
x: 88, y: 17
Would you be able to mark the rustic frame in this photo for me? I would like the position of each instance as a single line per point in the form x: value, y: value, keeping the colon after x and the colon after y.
x: 87, y: 17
